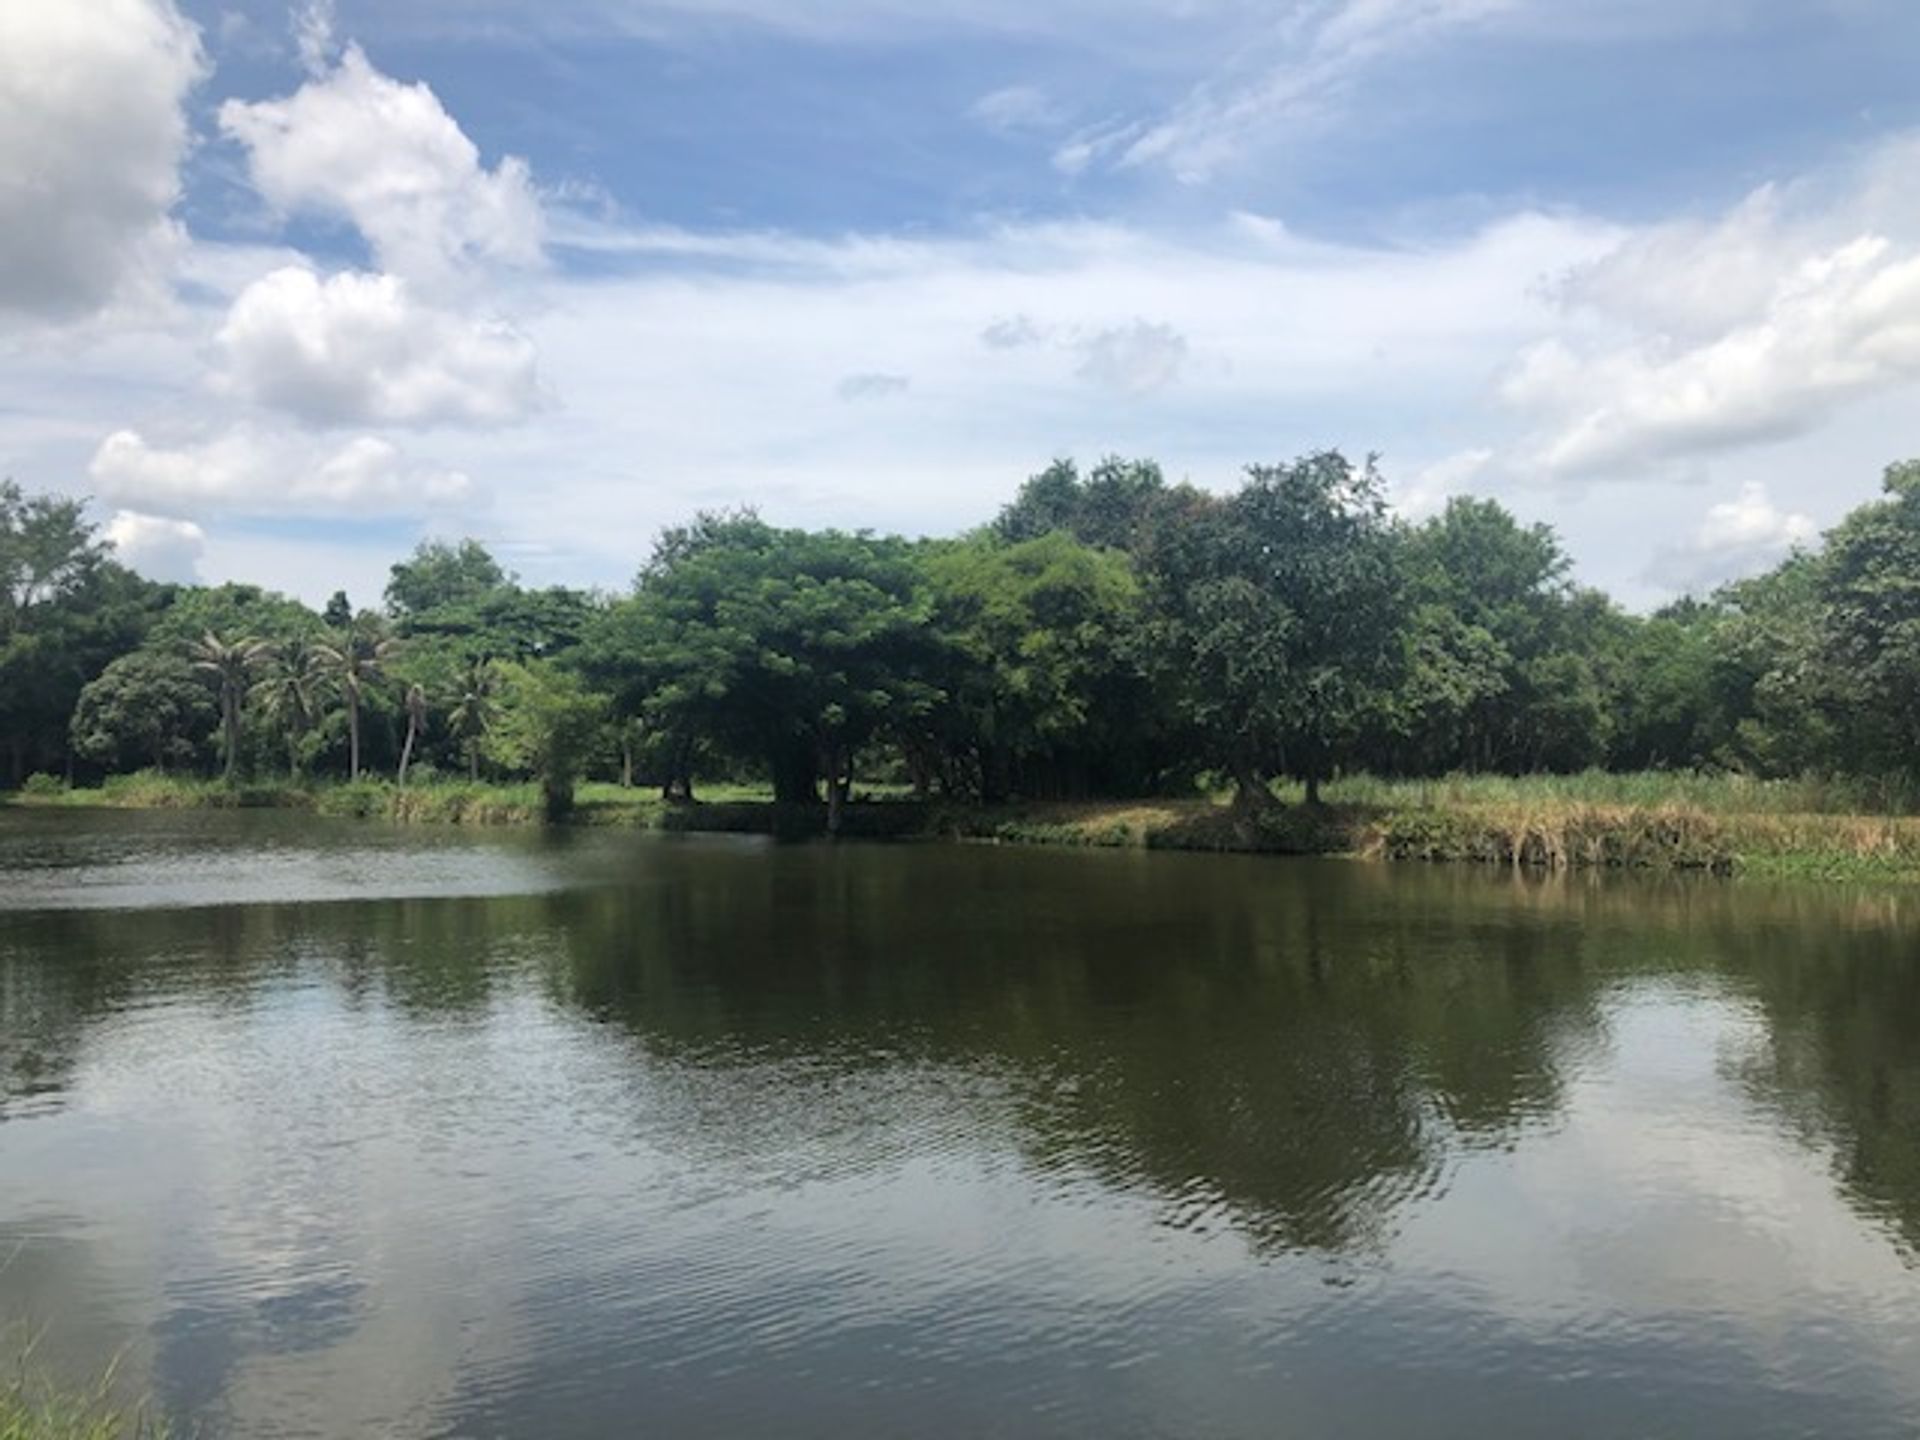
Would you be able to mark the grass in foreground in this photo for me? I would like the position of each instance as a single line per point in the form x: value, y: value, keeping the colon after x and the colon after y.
x: 34, y: 1409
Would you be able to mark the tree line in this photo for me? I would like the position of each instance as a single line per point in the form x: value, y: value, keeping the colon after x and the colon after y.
x: 1107, y: 634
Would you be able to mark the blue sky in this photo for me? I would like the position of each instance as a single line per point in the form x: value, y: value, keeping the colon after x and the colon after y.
x: 287, y: 288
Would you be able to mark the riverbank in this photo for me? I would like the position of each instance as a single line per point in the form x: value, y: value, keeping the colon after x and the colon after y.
x: 1717, y: 825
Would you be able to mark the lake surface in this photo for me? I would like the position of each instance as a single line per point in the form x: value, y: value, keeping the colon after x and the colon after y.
x: 335, y: 1129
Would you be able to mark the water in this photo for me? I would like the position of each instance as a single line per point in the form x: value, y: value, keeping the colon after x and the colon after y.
x: 344, y: 1130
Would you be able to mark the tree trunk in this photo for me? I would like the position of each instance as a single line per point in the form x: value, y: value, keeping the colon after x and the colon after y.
x: 293, y: 757
x: 1249, y: 785
x: 231, y: 724
x: 406, y: 750
x: 839, y: 766
x: 353, y: 739
x: 626, y: 762
x: 795, y: 770
x: 1313, y: 789
x: 473, y: 761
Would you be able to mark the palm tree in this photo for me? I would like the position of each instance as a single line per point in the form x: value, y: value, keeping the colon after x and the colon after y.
x: 232, y: 661
x: 416, y: 722
x: 471, y: 714
x: 291, y: 693
x: 358, y: 661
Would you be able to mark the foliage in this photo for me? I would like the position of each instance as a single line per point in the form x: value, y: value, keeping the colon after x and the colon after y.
x: 146, y: 708
x: 549, y: 725
x: 1108, y: 634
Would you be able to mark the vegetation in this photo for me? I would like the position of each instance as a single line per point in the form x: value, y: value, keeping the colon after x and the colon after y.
x: 1107, y: 637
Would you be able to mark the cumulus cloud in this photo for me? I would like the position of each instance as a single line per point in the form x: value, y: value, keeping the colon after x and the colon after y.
x: 243, y: 472
x: 357, y: 145
x: 92, y: 133
x: 156, y: 546
x: 1736, y: 537
x: 359, y: 349
x: 1831, y: 326
x: 1134, y: 359
x: 870, y: 386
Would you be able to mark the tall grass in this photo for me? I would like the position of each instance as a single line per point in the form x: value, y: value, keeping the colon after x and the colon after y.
x: 1718, y: 794
x: 34, y: 1408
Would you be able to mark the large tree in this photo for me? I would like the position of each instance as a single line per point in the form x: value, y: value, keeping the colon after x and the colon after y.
x: 146, y: 708
x: 800, y: 646
x: 1282, y: 620
x: 1043, y: 667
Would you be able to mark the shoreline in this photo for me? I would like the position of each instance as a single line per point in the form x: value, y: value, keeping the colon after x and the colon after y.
x: 1543, y: 835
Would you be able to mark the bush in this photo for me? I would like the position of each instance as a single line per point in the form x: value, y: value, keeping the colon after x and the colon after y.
x: 43, y: 787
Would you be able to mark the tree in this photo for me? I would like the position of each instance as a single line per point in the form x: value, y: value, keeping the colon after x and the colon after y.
x: 358, y: 659
x: 1281, y: 620
x: 66, y: 610
x: 547, y: 725
x: 800, y: 646
x: 416, y: 704
x: 440, y: 576
x: 472, y: 710
x: 292, y: 692
x: 1042, y: 672
x: 1870, y: 589
x: 231, y: 663
x: 146, y: 708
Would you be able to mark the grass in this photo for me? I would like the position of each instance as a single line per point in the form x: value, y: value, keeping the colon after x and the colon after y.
x: 34, y: 1408
x: 1815, y: 829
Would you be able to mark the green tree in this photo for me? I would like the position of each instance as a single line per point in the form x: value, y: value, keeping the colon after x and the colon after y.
x: 231, y: 663
x: 66, y: 610
x: 357, y: 659
x: 292, y: 692
x: 547, y: 725
x: 799, y: 646
x: 1043, y: 677
x: 146, y: 708
x: 416, y: 707
x: 472, y: 709
x: 1281, y: 614
x: 1870, y: 589
x: 441, y: 576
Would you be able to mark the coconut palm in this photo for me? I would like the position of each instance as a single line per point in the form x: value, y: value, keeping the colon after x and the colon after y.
x: 291, y: 694
x: 471, y: 714
x: 416, y: 722
x: 357, y: 662
x: 232, y: 662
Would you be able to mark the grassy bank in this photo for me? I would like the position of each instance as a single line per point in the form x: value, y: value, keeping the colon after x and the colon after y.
x: 1721, y: 825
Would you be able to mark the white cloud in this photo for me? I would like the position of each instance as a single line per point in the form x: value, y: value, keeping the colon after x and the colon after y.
x: 92, y: 133
x: 313, y: 33
x: 157, y: 547
x: 1736, y: 537
x: 1134, y: 359
x: 1428, y: 489
x: 245, y: 473
x: 1765, y: 358
x: 355, y: 144
x: 1016, y: 108
x: 1311, y: 59
x: 357, y: 349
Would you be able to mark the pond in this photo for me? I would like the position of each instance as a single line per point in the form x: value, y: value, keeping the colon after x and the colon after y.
x: 341, y: 1129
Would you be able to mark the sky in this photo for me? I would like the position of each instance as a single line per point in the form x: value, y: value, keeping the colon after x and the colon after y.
x: 285, y: 289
